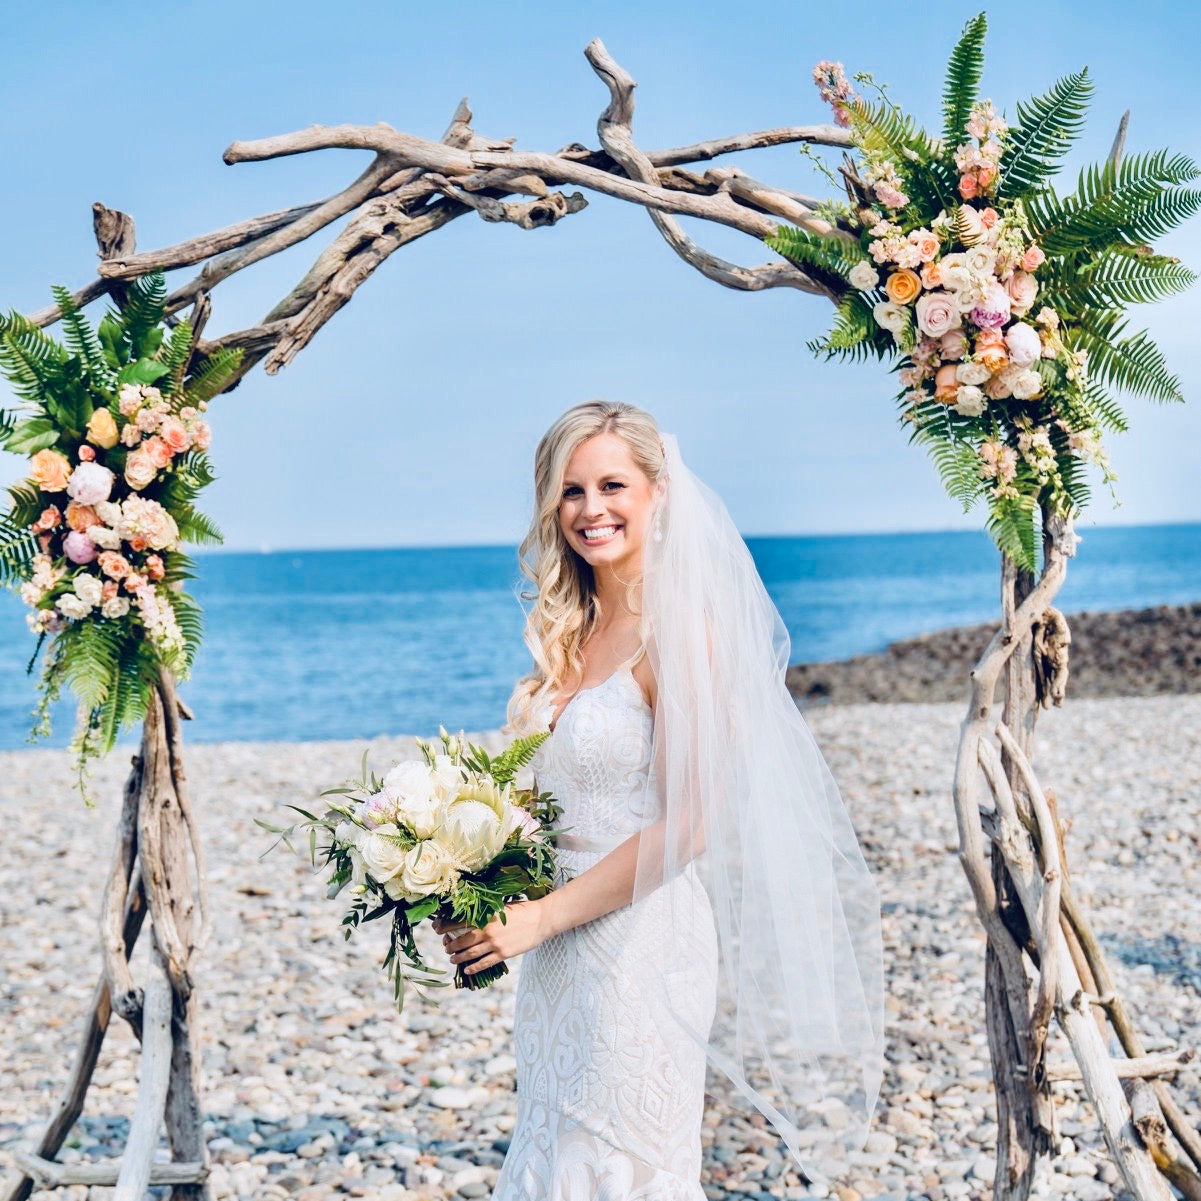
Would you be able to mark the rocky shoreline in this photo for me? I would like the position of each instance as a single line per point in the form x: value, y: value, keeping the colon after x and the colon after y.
x: 1131, y: 652
x: 315, y: 1089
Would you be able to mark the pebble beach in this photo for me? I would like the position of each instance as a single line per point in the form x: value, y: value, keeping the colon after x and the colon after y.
x: 316, y: 1088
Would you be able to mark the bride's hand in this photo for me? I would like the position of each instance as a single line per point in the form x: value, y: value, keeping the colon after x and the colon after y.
x: 524, y: 928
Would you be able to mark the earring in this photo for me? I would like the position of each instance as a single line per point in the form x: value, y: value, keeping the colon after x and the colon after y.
x: 657, y: 525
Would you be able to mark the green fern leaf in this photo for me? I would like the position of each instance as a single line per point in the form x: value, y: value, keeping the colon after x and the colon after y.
x: 884, y: 129
x: 17, y: 549
x: 1132, y: 364
x: 1133, y: 203
x: 177, y: 350
x: 145, y: 304
x: 29, y: 357
x: 855, y: 333
x: 195, y: 527
x: 81, y: 339
x: 27, y: 503
x: 961, y: 90
x: 1045, y: 130
x: 827, y: 252
x: 1121, y: 277
x: 510, y: 761
x: 1011, y: 526
x: 214, y: 374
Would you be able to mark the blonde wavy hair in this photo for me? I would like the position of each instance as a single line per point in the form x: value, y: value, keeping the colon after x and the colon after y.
x: 565, y: 608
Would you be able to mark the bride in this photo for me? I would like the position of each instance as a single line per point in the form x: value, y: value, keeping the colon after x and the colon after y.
x: 713, y: 907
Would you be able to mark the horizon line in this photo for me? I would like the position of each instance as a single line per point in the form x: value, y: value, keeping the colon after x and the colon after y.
x: 264, y: 549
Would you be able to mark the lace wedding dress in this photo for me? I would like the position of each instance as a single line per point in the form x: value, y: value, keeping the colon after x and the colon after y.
x: 610, y: 1090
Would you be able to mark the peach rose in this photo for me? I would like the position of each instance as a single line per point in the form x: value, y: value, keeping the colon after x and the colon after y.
x: 80, y: 517
x: 133, y: 581
x: 927, y: 244
x: 87, y: 454
x: 931, y: 276
x: 158, y: 451
x: 174, y: 434
x: 49, y: 519
x: 1033, y: 259
x: 140, y: 470
x: 967, y: 187
x: 985, y: 175
x: 990, y: 350
x: 154, y: 567
x: 946, y: 384
x: 102, y: 429
x: 989, y: 217
x: 114, y: 564
x: 50, y: 470
x: 903, y: 287
x: 108, y: 590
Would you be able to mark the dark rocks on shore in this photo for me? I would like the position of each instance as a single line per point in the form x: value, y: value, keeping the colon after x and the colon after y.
x: 1132, y: 652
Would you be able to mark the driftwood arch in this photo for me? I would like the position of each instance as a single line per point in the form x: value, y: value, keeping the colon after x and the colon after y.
x: 1011, y: 843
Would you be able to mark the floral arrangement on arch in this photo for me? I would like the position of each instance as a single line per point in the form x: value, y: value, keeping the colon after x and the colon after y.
x: 1003, y: 304
x: 113, y: 425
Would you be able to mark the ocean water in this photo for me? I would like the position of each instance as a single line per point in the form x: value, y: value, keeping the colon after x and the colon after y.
x: 313, y: 644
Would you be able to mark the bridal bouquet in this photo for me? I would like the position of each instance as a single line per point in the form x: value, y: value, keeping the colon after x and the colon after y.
x: 448, y: 834
x: 1002, y: 303
x: 113, y: 424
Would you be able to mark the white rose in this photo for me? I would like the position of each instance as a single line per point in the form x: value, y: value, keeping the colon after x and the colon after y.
x: 864, y: 276
x: 103, y: 537
x: 88, y: 587
x: 891, y: 317
x: 953, y: 271
x: 969, y: 401
x: 116, y: 606
x: 972, y: 373
x: 1027, y: 385
x: 448, y: 776
x: 412, y: 786
x: 1022, y: 288
x: 70, y: 605
x: 428, y: 868
x: 382, y: 856
x: 981, y: 260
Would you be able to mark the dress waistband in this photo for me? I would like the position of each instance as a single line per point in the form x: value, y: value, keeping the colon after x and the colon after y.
x: 597, y: 843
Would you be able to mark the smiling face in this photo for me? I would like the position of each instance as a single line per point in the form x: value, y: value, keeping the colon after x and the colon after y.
x: 606, y: 506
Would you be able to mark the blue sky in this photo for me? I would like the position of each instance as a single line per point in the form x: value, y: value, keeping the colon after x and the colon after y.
x: 413, y: 416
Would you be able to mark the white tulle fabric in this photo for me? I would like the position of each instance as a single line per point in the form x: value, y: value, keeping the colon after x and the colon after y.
x: 610, y: 1081
x: 747, y: 803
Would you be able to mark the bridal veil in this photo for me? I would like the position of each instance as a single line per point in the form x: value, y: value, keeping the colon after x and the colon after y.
x: 745, y: 795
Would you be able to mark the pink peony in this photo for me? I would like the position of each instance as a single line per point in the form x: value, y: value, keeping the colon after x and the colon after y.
x: 1024, y: 344
x: 937, y: 313
x: 90, y: 483
x: 993, y: 312
x: 79, y: 548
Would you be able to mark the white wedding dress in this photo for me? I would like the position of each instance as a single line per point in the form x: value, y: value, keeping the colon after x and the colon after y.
x: 610, y: 1089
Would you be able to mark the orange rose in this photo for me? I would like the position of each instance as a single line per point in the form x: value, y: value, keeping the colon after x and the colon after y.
x: 102, y: 429
x: 903, y: 287
x: 50, y: 470
x: 990, y: 350
x: 946, y: 384
x: 80, y: 517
